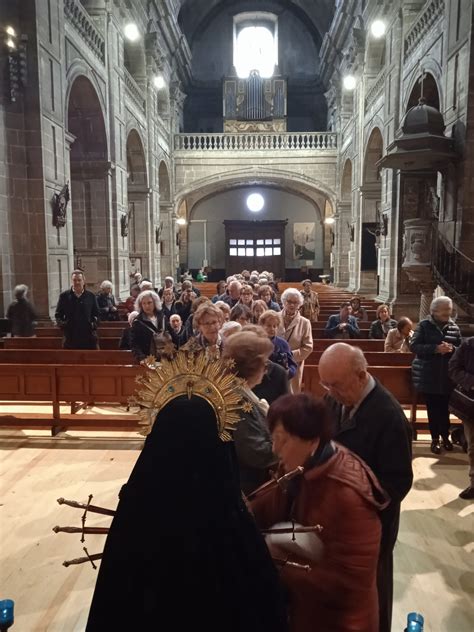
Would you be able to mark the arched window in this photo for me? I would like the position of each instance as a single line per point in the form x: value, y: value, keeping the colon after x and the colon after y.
x: 255, y: 50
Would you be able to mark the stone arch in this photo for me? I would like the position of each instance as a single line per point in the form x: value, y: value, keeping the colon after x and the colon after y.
x: 431, y: 90
x: 89, y: 169
x: 346, y: 181
x: 136, y: 222
x: 368, y: 236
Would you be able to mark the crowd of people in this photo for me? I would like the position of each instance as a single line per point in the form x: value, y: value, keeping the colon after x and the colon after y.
x: 354, y: 445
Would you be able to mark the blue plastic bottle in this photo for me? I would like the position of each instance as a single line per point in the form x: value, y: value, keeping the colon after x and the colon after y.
x: 6, y: 614
x: 415, y: 622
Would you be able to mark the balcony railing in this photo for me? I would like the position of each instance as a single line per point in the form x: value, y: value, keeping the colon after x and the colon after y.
x: 133, y: 90
x: 82, y: 22
x: 430, y: 13
x: 455, y: 273
x: 256, y: 142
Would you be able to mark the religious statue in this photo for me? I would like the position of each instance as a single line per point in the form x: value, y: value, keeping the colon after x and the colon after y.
x: 124, y: 219
x: 60, y: 201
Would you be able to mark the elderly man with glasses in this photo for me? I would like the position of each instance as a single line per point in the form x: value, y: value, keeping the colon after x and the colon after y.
x: 369, y: 421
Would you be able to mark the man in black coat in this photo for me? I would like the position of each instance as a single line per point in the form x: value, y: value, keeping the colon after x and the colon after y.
x: 77, y: 314
x: 369, y: 421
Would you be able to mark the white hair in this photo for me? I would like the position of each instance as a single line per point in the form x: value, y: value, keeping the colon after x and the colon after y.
x: 292, y: 291
x: 439, y: 302
x: 131, y: 317
x: 106, y: 284
x: 147, y: 294
x: 20, y: 291
x: 231, y: 324
x: 146, y: 285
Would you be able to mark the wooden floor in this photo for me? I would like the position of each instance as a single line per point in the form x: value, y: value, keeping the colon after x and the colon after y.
x: 434, y: 565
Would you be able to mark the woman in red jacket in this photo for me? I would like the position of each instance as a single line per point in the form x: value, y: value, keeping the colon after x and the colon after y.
x: 340, y: 493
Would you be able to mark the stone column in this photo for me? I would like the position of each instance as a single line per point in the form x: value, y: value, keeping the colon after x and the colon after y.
x: 342, y: 244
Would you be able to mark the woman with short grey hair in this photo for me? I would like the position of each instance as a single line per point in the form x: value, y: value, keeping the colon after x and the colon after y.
x: 21, y: 314
x: 434, y: 342
x: 149, y: 322
x: 296, y: 330
x: 107, y: 303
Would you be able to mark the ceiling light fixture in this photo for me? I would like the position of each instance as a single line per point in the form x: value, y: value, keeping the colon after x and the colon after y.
x: 329, y: 220
x: 255, y: 202
x: 159, y: 82
x: 181, y: 221
x: 349, y: 82
x: 10, y: 31
x: 378, y: 28
x: 131, y: 32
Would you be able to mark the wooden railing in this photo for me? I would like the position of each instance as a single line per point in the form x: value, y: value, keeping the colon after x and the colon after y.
x: 256, y: 142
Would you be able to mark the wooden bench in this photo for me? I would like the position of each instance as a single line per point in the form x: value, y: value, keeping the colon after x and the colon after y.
x: 374, y: 358
x: 77, y: 357
x: 102, y: 331
x: 66, y: 383
x: 319, y: 332
x: 52, y: 343
x: 396, y: 379
x: 320, y: 344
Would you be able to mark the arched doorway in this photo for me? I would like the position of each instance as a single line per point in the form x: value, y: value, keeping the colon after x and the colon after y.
x: 371, y: 211
x: 89, y: 182
x: 426, y: 87
x: 137, y: 195
x: 166, y: 230
x: 287, y: 236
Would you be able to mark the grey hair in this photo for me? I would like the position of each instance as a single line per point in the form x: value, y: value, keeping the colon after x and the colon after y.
x: 438, y: 302
x: 106, y: 284
x: 20, y: 291
x: 292, y: 291
x: 147, y: 294
x: 145, y: 286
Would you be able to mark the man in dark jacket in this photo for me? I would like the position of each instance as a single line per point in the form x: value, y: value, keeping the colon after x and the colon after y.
x: 274, y: 383
x: 370, y: 422
x: 77, y: 314
x: 342, y: 325
x: 433, y: 342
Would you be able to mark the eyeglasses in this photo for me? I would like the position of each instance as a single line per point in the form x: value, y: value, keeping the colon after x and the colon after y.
x: 209, y: 324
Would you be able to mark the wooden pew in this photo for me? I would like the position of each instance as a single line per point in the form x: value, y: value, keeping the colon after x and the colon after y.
x: 102, y: 331
x: 66, y: 383
x: 396, y: 379
x: 77, y: 357
x: 52, y: 343
x: 319, y: 332
x: 374, y: 358
x: 319, y: 344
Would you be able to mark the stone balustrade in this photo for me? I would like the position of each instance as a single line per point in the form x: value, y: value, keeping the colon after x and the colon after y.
x: 83, y: 24
x: 256, y: 142
x: 375, y: 89
x: 133, y: 90
x: 428, y: 16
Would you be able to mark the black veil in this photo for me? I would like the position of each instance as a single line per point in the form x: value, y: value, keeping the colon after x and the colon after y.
x: 183, y: 550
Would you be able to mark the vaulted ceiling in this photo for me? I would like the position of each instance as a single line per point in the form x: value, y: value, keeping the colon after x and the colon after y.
x: 195, y: 15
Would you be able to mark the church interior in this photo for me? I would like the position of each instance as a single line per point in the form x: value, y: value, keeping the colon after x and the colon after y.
x: 232, y: 144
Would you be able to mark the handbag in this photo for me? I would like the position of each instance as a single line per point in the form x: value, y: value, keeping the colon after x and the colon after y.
x: 461, y: 403
x: 160, y: 341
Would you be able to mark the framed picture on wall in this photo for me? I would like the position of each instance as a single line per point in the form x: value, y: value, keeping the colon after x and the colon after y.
x: 304, y: 242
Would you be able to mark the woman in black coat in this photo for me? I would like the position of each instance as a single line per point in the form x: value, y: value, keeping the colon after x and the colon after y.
x: 150, y: 321
x: 434, y: 342
x: 380, y: 327
x: 21, y: 313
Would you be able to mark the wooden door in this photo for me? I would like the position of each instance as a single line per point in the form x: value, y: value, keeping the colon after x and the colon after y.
x: 255, y: 245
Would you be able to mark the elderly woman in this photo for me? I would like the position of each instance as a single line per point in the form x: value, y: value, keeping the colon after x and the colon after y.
x: 220, y: 289
x: 229, y: 328
x: 282, y: 354
x: 433, y: 342
x: 106, y: 302
x: 207, y: 322
x: 185, y: 302
x: 265, y: 293
x: 380, y: 327
x: 250, y: 352
x: 296, y: 330
x: 149, y: 324
x: 168, y: 302
x: 338, y: 491
x: 310, y: 307
x: 125, y: 340
x: 398, y: 339
x: 242, y: 314
x: 21, y: 313
x: 359, y: 312
x: 246, y: 296
x: 225, y: 309
x: 130, y: 300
